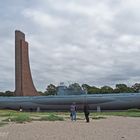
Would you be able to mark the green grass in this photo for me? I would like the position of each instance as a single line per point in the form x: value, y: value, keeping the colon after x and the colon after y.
x: 126, y: 113
x: 20, y: 117
x: 52, y: 117
x: 133, y: 110
x: 2, y: 124
x: 5, y: 114
x: 8, y: 113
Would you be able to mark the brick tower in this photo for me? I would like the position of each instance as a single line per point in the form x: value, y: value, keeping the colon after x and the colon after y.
x: 23, y: 80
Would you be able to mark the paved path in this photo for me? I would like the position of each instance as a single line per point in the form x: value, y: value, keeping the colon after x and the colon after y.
x: 112, y: 128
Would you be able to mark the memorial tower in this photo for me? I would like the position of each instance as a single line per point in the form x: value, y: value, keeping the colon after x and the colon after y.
x: 23, y: 79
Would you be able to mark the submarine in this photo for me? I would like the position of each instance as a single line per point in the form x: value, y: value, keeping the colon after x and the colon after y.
x: 66, y: 96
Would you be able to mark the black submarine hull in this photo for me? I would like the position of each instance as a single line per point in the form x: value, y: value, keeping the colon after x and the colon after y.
x: 118, y: 101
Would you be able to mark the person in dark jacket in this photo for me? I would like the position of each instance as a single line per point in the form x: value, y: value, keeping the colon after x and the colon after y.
x: 86, y: 112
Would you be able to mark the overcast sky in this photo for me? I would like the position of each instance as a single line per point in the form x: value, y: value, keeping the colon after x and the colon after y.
x: 85, y: 41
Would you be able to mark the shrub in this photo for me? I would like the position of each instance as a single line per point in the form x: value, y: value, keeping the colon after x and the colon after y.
x: 52, y: 117
x: 21, y: 118
x: 133, y: 110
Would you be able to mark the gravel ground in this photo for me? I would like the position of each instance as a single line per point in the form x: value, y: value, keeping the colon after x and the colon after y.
x: 111, y: 128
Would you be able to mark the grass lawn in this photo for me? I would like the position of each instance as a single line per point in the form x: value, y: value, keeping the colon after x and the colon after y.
x: 7, y: 116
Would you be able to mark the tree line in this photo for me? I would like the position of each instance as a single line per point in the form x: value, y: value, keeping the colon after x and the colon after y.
x: 7, y: 93
x: 119, y: 88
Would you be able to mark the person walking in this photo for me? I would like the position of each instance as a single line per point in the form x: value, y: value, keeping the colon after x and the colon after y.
x: 73, y: 112
x: 86, y: 112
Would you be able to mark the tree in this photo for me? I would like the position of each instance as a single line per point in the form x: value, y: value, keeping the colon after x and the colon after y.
x: 7, y: 93
x: 136, y: 87
x: 106, y: 89
x: 91, y: 89
x: 85, y: 86
x: 1, y: 93
x: 51, y: 90
x: 75, y: 87
x: 122, y: 88
x: 41, y: 93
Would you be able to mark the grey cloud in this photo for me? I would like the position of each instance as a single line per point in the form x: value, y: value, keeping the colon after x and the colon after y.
x: 80, y: 41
